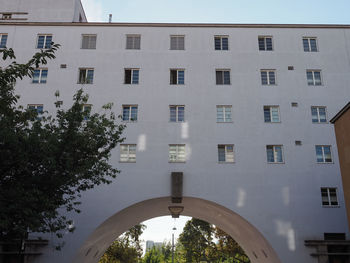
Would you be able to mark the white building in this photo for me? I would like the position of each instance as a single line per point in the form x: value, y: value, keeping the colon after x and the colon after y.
x: 241, y: 110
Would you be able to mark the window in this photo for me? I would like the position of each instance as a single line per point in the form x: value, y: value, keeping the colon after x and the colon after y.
x: 268, y: 77
x: 177, y: 42
x: 318, y: 114
x: 128, y: 153
x: 177, y: 113
x: 177, y: 153
x: 44, y: 41
x: 225, y: 153
x: 271, y: 114
x: 133, y: 41
x: 314, y: 77
x: 39, y: 108
x: 221, y: 42
x: 224, y: 113
x: 6, y: 16
x: 3, y: 40
x: 88, y: 42
x: 130, y: 113
x: 86, y: 76
x: 223, y: 77
x: 274, y: 153
x: 87, y: 111
x: 265, y: 43
x: 329, y: 196
x: 131, y: 76
x: 39, y: 76
x: 177, y: 76
x: 310, y: 44
x: 323, y: 153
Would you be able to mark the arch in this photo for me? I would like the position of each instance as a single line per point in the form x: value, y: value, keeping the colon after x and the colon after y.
x: 249, y: 238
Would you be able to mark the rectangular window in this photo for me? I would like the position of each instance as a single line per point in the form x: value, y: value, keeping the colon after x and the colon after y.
x: 39, y: 108
x: 133, y: 41
x: 86, y: 76
x: 224, y: 113
x: 86, y: 111
x: 44, y: 41
x: 128, y: 153
x: 130, y: 113
x: 310, y: 44
x: 3, y: 40
x: 271, y: 114
x: 274, y: 153
x: 39, y: 75
x: 223, y: 77
x: 268, y: 77
x: 177, y: 42
x: 265, y: 43
x: 177, y: 153
x: 131, y: 76
x: 225, y: 153
x: 177, y: 113
x: 323, y: 154
x: 318, y: 114
x: 88, y: 41
x: 314, y: 77
x: 221, y: 42
x: 177, y: 76
x: 329, y: 196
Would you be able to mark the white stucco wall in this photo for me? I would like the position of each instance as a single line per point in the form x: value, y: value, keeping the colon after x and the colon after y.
x: 282, y: 201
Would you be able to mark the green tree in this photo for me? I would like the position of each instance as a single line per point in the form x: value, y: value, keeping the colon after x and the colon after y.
x: 153, y: 255
x: 46, y: 162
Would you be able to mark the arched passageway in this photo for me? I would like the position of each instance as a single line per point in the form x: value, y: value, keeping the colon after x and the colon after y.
x: 249, y: 238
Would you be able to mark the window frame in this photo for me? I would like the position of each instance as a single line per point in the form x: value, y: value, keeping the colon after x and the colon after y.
x: 1, y: 40
x: 134, y: 36
x: 87, y: 109
x: 226, y: 153
x: 314, y: 83
x: 86, y: 76
x: 268, y: 71
x: 224, y: 113
x: 177, y: 42
x: 45, y: 41
x: 177, y: 153
x: 177, y: 70
x: 35, y: 107
x: 265, y: 43
x: 130, y: 106
x: 275, y: 153
x: 223, y: 76
x: 309, y: 46
x: 318, y: 114
x: 177, y: 113
x: 88, y: 46
x: 132, y: 76
x: 328, y: 189
x: 270, y: 107
x: 41, y: 80
x: 129, y: 154
x: 221, y: 37
x: 324, y: 155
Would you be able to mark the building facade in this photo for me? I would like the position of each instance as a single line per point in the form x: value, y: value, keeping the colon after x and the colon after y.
x: 241, y: 110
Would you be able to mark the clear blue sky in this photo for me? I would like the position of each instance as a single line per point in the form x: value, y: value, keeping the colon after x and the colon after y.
x: 221, y: 11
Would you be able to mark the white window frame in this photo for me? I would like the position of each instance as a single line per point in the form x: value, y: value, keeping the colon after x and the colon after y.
x: 127, y: 153
x: 221, y: 46
x: 267, y: 71
x: 270, y: 107
x: 132, y: 76
x: 309, y: 44
x: 45, y: 41
x: 328, y: 189
x: 265, y: 44
x: 177, y: 113
x: 223, y: 76
x: 177, y: 157
x: 89, y: 44
x: 134, y: 45
x: 1, y: 36
x: 85, y: 81
x: 130, y: 106
x: 177, y: 76
x: 41, y: 80
x: 229, y: 156
x: 323, y: 154
x: 275, y: 153
x: 313, y: 71
x: 177, y: 46
x: 318, y: 114
x: 225, y: 109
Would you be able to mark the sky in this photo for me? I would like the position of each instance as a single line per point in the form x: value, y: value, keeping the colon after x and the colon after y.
x: 220, y: 11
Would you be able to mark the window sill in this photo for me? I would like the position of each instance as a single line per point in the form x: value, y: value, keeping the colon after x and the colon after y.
x: 85, y: 83
x: 330, y: 206
x: 127, y: 161
x: 177, y: 161
x: 129, y: 121
x: 226, y: 162
x: 224, y: 122
x: 325, y: 162
x: 276, y: 162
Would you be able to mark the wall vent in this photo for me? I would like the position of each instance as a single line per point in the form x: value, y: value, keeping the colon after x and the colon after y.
x: 294, y: 104
x: 299, y: 143
x: 63, y: 65
x: 290, y: 68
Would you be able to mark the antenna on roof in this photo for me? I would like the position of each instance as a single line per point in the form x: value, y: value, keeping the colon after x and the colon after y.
x: 110, y: 18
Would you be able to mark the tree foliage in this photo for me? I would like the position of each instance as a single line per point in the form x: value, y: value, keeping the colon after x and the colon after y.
x: 46, y: 161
